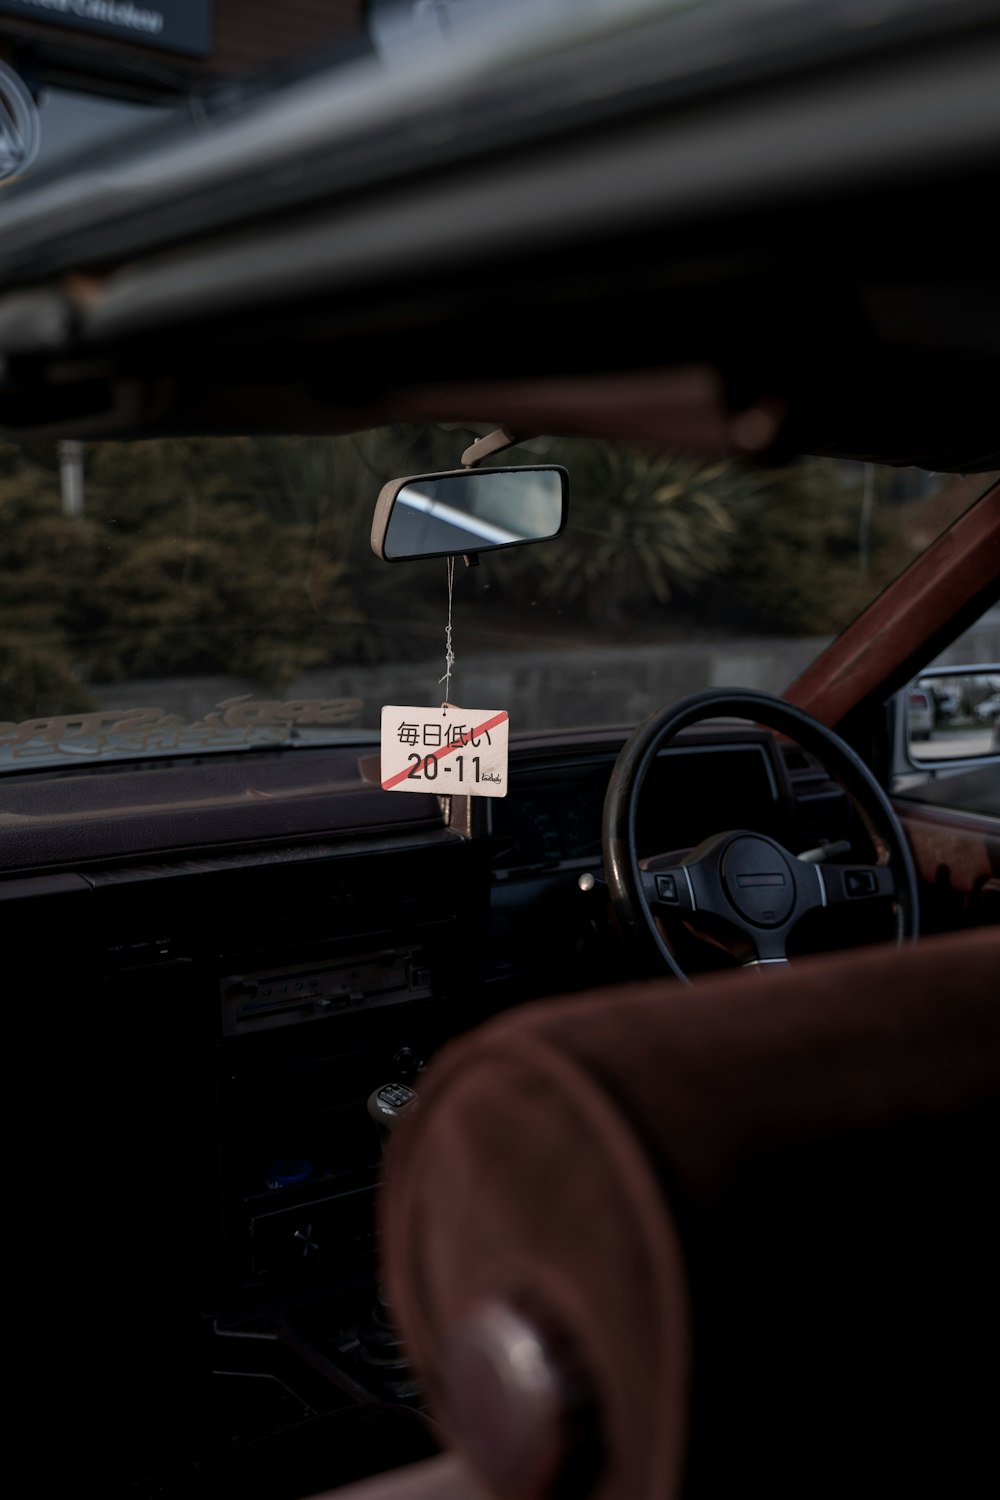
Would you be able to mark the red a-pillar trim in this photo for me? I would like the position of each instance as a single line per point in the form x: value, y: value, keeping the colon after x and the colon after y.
x: 961, y: 565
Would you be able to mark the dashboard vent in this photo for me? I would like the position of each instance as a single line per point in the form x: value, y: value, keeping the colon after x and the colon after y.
x: 820, y: 808
x: 795, y: 759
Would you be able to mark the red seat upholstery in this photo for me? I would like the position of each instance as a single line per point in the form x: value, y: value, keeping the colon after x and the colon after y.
x: 759, y: 1212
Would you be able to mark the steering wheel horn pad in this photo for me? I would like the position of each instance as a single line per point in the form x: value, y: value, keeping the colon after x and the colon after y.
x: 758, y: 880
x: 740, y: 880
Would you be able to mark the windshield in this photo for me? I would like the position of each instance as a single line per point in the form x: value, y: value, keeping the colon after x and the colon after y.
x: 179, y: 597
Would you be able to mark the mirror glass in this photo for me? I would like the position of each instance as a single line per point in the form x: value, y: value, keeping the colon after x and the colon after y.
x: 954, y: 715
x: 475, y: 510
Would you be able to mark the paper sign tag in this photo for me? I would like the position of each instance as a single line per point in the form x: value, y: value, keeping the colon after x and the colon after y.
x: 445, y: 749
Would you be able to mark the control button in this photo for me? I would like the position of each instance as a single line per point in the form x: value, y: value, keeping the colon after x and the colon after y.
x: 860, y: 883
x: 666, y: 888
x: 405, y: 1062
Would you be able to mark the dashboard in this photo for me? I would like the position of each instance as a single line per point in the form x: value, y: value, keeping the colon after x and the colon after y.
x: 268, y: 984
x: 274, y: 938
x: 555, y: 817
x: 222, y: 961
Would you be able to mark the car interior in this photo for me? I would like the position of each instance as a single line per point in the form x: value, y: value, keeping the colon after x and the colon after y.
x: 625, y: 1123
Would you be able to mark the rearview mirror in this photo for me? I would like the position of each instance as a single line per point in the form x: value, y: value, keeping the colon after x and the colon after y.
x: 468, y: 511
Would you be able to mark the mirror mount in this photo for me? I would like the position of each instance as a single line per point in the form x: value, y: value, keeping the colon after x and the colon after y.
x: 493, y: 442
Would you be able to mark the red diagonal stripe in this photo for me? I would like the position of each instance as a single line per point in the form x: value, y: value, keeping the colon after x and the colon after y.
x: 446, y: 749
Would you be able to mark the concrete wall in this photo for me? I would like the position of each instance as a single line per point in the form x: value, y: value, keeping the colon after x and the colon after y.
x: 542, y: 689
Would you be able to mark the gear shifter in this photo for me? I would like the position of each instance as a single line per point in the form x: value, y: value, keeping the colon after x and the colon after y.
x: 388, y: 1105
x: 378, y: 1343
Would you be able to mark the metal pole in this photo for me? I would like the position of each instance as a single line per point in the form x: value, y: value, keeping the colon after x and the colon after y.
x: 71, y: 476
x: 865, y: 518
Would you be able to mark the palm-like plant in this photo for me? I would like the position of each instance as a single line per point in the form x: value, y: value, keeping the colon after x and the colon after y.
x: 643, y: 527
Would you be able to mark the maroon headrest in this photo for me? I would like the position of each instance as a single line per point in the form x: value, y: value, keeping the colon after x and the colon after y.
x: 661, y: 1240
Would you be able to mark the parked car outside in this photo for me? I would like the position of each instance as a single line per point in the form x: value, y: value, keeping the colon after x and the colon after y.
x: 989, y: 710
x: 920, y: 713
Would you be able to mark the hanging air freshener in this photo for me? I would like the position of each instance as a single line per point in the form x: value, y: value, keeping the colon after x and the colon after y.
x: 444, y: 748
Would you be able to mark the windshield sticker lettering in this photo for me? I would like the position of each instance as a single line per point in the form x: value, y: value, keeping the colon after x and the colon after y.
x: 445, y: 749
x: 233, y: 723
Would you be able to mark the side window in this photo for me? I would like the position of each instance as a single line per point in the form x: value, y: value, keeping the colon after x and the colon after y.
x: 948, y: 725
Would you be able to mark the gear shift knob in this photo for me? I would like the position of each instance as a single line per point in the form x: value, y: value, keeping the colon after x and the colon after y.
x: 388, y: 1104
x: 378, y: 1343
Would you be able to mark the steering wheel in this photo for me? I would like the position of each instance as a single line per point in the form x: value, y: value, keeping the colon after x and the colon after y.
x: 744, y: 890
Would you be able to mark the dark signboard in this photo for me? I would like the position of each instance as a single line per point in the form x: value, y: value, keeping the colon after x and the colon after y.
x: 183, y: 26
